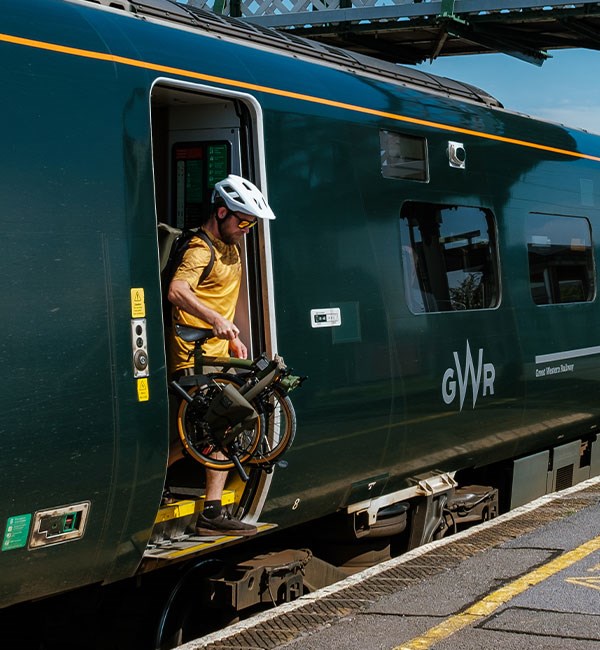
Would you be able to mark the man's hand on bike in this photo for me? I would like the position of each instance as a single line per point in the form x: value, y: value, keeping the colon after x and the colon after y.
x: 224, y: 329
x: 238, y: 349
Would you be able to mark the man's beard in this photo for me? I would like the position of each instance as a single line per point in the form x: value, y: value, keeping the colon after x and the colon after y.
x: 227, y: 238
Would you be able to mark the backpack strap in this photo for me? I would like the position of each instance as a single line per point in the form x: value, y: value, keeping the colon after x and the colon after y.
x: 209, y: 267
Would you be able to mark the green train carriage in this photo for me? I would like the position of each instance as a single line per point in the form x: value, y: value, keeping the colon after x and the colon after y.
x: 432, y: 269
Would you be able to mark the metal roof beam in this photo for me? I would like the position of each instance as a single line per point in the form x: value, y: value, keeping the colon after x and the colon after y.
x: 387, y: 51
x: 493, y: 40
x: 582, y: 29
x: 409, y: 31
x: 403, y: 10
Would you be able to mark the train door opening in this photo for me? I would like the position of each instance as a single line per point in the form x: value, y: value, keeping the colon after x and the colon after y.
x: 197, y: 140
x: 199, y: 136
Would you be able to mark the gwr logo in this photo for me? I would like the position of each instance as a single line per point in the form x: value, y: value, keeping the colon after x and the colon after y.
x: 485, y: 371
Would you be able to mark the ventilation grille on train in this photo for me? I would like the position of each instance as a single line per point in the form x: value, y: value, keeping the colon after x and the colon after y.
x: 564, y: 477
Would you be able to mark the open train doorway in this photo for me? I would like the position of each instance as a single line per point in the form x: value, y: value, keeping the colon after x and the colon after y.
x: 199, y: 136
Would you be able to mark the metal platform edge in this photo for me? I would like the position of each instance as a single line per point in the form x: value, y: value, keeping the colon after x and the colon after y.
x: 329, y: 604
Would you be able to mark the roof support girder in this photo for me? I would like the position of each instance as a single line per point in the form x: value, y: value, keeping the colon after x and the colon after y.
x: 582, y: 29
x: 494, y: 40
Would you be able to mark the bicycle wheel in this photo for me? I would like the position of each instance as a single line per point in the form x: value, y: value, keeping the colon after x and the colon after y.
x: 196, y: 435
x: 280, y: 427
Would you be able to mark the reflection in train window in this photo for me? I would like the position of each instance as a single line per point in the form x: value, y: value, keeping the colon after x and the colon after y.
x: 561, y: 260
x: 449, y: 257
x: 403, y: 156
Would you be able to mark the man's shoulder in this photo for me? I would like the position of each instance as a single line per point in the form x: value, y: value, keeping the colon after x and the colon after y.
x: 196, y: 251
x: 200, y: 243
x: 201, y: 238
x: 209, y: 241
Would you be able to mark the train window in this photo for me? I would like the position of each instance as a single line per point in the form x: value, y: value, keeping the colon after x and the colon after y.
x: 449, y: 257
x: 561, y: 260
x: 403, y: 156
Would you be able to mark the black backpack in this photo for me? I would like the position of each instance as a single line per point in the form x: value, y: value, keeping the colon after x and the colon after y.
x: 179, y: 242
x: 177, y: 251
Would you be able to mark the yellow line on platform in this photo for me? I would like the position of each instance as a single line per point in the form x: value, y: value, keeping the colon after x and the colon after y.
x: 488, y: 605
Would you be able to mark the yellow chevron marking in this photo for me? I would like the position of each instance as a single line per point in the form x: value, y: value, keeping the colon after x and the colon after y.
x: 495, y: 600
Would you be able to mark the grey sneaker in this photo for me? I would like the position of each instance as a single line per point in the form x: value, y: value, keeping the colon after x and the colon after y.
x: 224, y: 524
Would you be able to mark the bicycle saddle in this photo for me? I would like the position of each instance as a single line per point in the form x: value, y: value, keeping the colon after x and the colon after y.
x: 191, y: 334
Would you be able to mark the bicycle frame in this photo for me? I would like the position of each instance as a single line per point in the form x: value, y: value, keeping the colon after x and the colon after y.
x: 258, y: 379
x: 265, y: 375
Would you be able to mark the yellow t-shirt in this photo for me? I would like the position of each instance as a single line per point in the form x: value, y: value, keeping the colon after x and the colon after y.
x: 219, y: 291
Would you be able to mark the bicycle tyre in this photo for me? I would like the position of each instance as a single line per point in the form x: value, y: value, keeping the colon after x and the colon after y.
x: 195, y: 437
x: 279, y: 427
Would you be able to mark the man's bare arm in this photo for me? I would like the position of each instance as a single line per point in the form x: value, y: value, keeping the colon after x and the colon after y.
x: 181, y: 295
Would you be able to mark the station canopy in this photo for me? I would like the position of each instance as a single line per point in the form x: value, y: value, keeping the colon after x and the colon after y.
x: 404, y: 31
x: 412, y: 31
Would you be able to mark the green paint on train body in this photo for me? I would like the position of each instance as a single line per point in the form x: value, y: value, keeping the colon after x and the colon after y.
x: 80, y: 232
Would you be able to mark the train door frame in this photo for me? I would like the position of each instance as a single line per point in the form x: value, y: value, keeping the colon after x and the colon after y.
x: 257, y: 291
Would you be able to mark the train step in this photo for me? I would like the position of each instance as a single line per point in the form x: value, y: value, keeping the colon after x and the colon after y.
x: 192, y: 544
x: 173, y: 535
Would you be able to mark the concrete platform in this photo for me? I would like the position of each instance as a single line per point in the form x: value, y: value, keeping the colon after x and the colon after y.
x: 529, y: 579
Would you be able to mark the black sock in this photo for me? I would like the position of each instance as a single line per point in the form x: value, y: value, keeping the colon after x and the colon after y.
x: 212, y: 509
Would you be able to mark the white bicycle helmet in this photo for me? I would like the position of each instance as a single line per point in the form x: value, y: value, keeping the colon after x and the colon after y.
x: 241, y: 195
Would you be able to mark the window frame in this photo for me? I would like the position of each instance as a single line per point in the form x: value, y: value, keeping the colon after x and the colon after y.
x: 553, y: 285
x: 408, y: 136
x: 424, y: 285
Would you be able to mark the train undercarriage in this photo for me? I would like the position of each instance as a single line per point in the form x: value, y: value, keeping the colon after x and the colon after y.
x: 183, y: 594
x: 238, y: 583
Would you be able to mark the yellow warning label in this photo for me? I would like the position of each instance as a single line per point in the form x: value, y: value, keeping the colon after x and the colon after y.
x: 143, y: 391
x: 138, y: 306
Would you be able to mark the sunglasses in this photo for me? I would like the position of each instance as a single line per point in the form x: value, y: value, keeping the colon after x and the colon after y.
x: 243, y: 223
